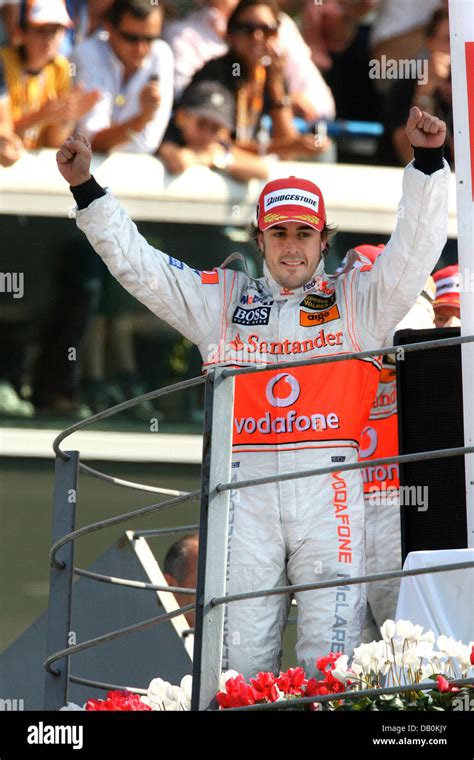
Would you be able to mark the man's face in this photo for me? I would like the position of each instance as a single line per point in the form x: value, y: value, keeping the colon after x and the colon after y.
x: 254, y: 35
x: 42, y: 43
x: 189, y: 581
x: 447, y: 316
x: 292, y: 252
x: 133, y: 37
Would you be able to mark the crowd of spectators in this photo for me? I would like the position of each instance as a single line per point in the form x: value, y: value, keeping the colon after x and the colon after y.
x: 125, y: 71
x: 232, y: 85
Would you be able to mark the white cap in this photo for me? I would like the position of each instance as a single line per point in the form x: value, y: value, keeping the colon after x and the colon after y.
x: 48, y: 12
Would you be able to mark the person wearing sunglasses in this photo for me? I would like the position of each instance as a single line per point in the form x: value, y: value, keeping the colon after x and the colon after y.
x: 202, y: 35
x: 253, y: 72
x: 133, y: 69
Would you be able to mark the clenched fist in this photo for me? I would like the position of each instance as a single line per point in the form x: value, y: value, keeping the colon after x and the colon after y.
x: 424, y: 130
x: 74, y: 159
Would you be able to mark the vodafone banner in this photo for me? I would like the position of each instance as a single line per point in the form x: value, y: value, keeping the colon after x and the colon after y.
x: 461, y: 22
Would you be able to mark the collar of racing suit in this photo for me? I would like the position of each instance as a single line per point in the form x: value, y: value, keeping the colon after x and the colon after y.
x: 279, y: 293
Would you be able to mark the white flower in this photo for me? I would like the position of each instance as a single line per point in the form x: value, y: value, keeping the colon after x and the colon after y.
x: 411, y: 660
x: 388, y: 630
x: 71, y: 706
x: 427, y: 637
x: 363, y: 656
x: 426, y: 672
x: 340, y: 670
x: 357, y: 670
x: 438, y: 663
x: 405, y: 629
x: 450, y: 647
x: 423, y: 649
x: 371, y: 657
x: 163, y: 696
x: 186, y: 686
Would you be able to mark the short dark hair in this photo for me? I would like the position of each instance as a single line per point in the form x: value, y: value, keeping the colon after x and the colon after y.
x: 244, y: 4
x: 137, y: 8
x: 177, y: 558
x: 327, y: 233
x: 432, y: 26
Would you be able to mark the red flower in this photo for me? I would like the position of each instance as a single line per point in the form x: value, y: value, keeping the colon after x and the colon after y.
x: 237, y: 693
x: 330, y: 685
x: 118, y: 700
x: 265, y: 686
x: 292, y: 682
x: 444, y: 685
x: 315, y: 688
x: 472, y: 655
x: 323, y: 662
x: 334, y: 685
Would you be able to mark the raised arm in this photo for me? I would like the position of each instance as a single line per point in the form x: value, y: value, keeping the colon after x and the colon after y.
x: 385, y: 294
x: 184, y: 297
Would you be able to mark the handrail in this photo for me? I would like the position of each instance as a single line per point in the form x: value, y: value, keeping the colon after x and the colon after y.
x: 129, y: 483
x: 339, y: 581
x: 330, y: 359
x: 135, y: 628
x: 437, y: 454
x: 133, y: 584
x: 106, y: 686
x: 154, y: 532
x: 116, y: 521
x: 129, y: 404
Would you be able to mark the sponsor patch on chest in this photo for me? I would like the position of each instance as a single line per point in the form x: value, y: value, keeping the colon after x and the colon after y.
x: 317, y: 302
x: 321, y: 309
x: 315, y: 318
x: 257, y: 316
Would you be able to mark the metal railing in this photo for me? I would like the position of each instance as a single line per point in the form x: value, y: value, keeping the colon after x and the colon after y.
x: 214, y: 496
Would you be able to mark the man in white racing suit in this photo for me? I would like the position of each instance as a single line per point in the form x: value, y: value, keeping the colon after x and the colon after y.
x: 309, y: 529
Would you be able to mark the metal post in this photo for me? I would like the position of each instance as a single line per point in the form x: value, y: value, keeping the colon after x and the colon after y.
x: 211, y: 581
x: 461, y: 27
x: 66, y: 474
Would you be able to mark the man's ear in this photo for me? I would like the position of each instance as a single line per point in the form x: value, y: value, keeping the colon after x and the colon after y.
x: 260, y: 242
x: 170, y: 580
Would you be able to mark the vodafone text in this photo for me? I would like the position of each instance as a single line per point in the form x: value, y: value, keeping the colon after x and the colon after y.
x: 342, y: 516
x: 267, y: 424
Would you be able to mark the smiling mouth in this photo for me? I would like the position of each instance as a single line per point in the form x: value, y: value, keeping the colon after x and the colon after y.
x: 293, y: 264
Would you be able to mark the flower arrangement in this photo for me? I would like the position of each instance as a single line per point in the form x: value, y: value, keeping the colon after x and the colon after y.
x: 405, y: 656
x: 161, y: 696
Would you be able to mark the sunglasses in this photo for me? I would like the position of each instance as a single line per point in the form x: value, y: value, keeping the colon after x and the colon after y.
x: 249, y: 29
x: 135, y: 38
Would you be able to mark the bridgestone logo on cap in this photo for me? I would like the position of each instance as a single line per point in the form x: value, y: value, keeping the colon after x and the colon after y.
x: 289, y: 196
